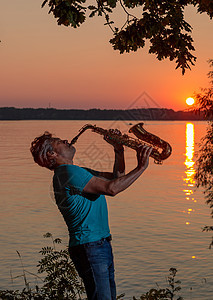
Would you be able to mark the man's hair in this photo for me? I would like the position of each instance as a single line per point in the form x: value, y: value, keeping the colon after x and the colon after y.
x: 40, y: 148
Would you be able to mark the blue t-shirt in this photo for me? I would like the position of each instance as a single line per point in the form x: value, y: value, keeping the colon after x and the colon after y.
x: 86, y: 215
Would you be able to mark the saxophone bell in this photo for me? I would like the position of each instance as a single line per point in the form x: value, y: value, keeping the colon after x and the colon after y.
x: 161, y: 149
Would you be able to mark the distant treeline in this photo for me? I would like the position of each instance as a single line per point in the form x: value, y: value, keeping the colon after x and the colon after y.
x: 12, y: 113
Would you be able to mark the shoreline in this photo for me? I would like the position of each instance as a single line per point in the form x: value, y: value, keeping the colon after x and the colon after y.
x: 140, y: 114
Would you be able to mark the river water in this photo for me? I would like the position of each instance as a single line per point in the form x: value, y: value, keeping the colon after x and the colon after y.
x: 156, y: 223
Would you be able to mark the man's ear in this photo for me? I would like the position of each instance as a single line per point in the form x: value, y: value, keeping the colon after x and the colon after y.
x: 52, y: 154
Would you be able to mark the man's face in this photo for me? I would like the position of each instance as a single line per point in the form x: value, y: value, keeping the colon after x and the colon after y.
x: 63, y: 149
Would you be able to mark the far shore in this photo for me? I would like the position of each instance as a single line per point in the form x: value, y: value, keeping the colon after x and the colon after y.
x: 140, y: 114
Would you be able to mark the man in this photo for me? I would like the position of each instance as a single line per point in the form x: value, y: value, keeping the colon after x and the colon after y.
x: 80, y: 196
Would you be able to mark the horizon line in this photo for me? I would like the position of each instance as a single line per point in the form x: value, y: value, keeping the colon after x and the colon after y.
x: 184, y: 110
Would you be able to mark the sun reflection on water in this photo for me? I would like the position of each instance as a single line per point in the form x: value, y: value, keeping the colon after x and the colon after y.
x: 189, y: 163
x: 190, y: 171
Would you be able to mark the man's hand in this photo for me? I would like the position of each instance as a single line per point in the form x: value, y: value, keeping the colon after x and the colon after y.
x: 116, y: 146
x: 143, y: 153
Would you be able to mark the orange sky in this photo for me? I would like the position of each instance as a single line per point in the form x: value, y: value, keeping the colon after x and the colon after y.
x: 43, y: 64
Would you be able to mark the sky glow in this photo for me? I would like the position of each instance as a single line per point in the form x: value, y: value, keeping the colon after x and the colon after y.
x: 46, y: 65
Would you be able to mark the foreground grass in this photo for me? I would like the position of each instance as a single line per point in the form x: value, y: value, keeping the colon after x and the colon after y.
x: 61, y: 280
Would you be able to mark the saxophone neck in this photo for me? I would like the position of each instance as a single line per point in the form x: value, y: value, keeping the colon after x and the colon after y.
x: 84, y: 128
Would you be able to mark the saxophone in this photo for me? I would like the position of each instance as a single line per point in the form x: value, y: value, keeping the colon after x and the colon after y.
x: 161, y: 149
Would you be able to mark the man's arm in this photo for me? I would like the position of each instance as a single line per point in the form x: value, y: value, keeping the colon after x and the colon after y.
x: 112, y: 187
x: 119, y: 164
x: 106, y: 175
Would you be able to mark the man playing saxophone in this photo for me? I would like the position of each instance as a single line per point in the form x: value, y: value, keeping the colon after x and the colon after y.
x: 80, y: 197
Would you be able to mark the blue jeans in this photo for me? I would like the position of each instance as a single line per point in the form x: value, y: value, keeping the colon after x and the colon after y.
x: 94, y: 263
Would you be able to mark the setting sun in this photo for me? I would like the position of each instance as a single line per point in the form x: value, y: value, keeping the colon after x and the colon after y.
x: 190, y: 101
